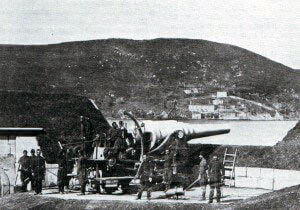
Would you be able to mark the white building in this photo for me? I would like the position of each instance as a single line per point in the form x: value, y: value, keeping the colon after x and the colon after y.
x: 217, y: 101
x: 202, y: 108
x: 188, y: 92
x: 14, y: 140
x: 202, y: 111
x: 221, y: 94
x: 191, y: 91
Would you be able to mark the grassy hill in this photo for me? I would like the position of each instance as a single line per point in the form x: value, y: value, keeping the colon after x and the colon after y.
x: 58, y: 114
x: 143, y: 75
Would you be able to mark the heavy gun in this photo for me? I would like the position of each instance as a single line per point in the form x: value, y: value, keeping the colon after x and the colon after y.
x: 113, y: 168
x: 161, y: 133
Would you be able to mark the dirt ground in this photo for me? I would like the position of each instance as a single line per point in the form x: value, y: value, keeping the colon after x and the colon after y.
x: 52, y: 200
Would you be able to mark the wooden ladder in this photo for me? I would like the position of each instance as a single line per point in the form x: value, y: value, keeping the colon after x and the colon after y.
x: 229, y: 166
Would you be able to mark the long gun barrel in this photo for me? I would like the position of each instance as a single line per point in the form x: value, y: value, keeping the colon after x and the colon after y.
x: 161, y: 135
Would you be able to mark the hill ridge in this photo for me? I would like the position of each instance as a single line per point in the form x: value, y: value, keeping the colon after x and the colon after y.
x: 147, y: 72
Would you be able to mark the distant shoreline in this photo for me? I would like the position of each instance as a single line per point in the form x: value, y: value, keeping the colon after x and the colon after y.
x: 204, y: 120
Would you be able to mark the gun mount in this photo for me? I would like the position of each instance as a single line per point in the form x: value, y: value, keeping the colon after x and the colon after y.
x: 117, y: 154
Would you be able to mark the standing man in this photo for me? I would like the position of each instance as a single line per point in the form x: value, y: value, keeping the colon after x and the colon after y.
x: 123, y: 130
x: 112, y: 134
x: 39, y: 169
x: 32, y: 152
x: 147, y: 170
x: 70, y: 165
x: 81, y: 171
x: 216, y: 174
x: 32, y: 157
x: 167, y: 169
x: 202, y: 175
x: 62, y: 171
x: 25, y: 169
x: 120, y: 142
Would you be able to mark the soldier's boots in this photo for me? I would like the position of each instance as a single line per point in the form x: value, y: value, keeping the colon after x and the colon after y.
x: 218, y: 201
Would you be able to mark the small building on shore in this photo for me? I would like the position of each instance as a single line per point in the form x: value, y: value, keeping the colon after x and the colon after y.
x: 202, y: 111
x: 221, y: 94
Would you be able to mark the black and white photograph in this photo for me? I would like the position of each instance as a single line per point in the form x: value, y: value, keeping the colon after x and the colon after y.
x: 149, y: 104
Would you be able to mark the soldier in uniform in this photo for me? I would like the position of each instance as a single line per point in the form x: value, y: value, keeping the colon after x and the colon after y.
x: 62, y: 171
x: 131, y: 147
x: 179, y: 152
x: 81, y: 171
x: 32, y: 157
x: 38, y: 169
x: 216, y: 174
x: 202, y: 175
x: 25, y: 169
x: 167, y: 169
x: 147, y: 170
x: 32, y: 152
x: 70, y: 165
x: 123, y: 130
x: 112, y: 134
x: 120, y: 144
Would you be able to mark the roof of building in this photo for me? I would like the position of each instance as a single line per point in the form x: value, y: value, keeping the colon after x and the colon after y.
x: 21, y: 131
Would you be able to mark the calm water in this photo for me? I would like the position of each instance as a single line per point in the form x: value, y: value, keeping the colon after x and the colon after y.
x: 264, y: 133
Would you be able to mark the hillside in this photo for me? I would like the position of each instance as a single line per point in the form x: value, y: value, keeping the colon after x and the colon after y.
x: 145, y: 75
x: 58, y: 114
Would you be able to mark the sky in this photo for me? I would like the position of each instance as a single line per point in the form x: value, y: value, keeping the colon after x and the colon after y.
x: 267, y: 27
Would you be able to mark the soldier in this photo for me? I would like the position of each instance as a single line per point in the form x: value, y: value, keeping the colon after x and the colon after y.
x: 216, y: 173
x: 179, y: 151
x: 81, y: 171
x: 120, y: 144
x: 130, y: 147
x: 87, y: 128
x: 38, y: 169
x: 123, y: 130
x: 70, y: 165
x: 167, y: 170
x: 32, y: 152
x: 32, y: 157
x: 147, y: 170
x: 25, y: 169
x: 202, y: 174
x: 112, y: 134
x: 62, y: 171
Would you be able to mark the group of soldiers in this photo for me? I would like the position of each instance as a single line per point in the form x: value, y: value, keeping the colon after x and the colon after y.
x: 32, y: 169
x: 121, y: 143
x: 211, y: 174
